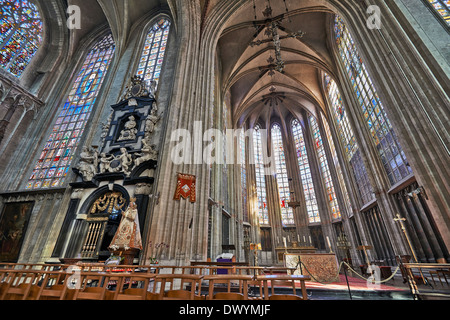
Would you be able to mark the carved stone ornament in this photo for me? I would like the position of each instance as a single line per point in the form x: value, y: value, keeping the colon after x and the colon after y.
x: 136, y: 88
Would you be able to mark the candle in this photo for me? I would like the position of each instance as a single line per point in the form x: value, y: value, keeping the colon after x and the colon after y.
x: 284, y: 241
x: 329, y: 243
x: 289, y: 239
x: 310, y: 241
x: 298, y: 237
x: 304, y: 239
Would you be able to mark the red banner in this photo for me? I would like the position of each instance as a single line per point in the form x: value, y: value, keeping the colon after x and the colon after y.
x: 185, y: 187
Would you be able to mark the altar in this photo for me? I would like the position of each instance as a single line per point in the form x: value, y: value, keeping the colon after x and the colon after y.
x: 321, y: 267
x: 294, y: 249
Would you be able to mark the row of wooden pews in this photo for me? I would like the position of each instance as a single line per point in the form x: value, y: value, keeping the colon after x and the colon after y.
x: 100, y: 282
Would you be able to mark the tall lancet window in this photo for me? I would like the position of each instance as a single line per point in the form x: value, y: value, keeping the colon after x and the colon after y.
x: 20, y: 34
x: 305, y: 173
x: 56, y: 157
x: 152, y: 57
x: 347, y: 136
x: 384, y: 137
x: 284, y: 191
x: 325, y: 169
x: 263, y: 211
x: 336, y: 162
x: 242, y: 146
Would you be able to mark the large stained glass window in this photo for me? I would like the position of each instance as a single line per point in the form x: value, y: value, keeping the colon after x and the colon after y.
x: 305, y: 173
x: 55, y: 160
x: 20, y: 34
x: 443, y: 8
x: 284, y: 191
x: 336, y: 162
x: 348, y: 139
x: 155, y: 46
x: 391, y: 153
x: 263, y: 211
x: 325, y: 169
x: 242, y: 146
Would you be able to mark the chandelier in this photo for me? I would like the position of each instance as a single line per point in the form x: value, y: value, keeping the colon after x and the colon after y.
x: 273, y: 27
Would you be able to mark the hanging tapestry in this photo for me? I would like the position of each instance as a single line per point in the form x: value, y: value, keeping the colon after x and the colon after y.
x: 185, y: 187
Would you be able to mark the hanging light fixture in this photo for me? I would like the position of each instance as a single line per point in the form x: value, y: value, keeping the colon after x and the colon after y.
x: 273, y: 26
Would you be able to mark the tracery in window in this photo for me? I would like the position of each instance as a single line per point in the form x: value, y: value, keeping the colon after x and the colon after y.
x: 348, y: 139
x: 152, y: 57
x: 443, y: 8
x: 20, y: 34
x: 284, y: 191
x: 385, y: 139
x: 56, y: 157
x: 325, y: 169
x: 305, y: 173
x: 263, y: 212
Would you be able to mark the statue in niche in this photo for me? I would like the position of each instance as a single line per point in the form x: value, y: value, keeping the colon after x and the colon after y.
x: 151, y: 121
x: 88, y: 163
x: 149, y: 152
x: 130, y: 131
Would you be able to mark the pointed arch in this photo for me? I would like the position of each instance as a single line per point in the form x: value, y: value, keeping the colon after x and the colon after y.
x: 154, y: 50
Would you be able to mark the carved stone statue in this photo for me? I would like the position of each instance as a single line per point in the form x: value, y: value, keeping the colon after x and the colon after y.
x: 105, y: 128
x: 149, y: 152
x: 151, y: 121
x: 153, y: 85
x: 87, y: 165
x: 130, y: 131
x: 126, y: 161
x: 105, y: 163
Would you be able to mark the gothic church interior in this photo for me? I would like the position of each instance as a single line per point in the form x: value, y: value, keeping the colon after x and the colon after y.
x: 338, y: 115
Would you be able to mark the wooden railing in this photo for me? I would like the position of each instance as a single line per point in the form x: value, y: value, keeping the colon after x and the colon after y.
x: 428, y: 280
x: 101, y: 282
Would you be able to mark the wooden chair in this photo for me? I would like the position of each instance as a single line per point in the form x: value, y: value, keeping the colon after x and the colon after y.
x: 55, y: 286
x: 101, y: 292
x: 179, y: 292
x: 285, y: 297
x: 129, y: 293
x: 284, y: 280
x: 242, y: 286
x: 19, y: 285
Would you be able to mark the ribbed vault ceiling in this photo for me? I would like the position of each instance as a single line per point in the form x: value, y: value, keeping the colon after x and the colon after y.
x: 253, y: 90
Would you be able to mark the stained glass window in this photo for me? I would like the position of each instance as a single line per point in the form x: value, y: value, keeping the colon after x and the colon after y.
x: 55, y: 160
x: 20, y: 34
x: 263, y: 211
x: 325, y: 169
x: 305, y: 173
x: 242, y: 145
x: 336, y: 162
x: 348, y: 139
x: 284, y: 191
x: 391, y: 153
x: 443, y: 8
x: 155, y: 46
